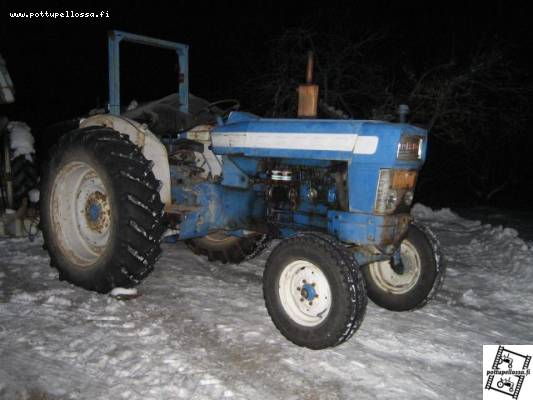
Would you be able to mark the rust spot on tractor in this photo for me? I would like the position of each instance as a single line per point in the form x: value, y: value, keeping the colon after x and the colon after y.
x: 394, y: 229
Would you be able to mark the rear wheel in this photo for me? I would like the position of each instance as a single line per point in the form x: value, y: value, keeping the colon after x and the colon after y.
x: 219, y: 246
x: 25, y: 177
x: 101, y: 212
x: 24, y: 174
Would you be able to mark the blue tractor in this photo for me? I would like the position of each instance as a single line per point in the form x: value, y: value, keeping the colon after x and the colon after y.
x: 333, y: 195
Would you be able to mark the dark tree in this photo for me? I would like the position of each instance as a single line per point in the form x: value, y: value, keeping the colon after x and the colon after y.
x: 476, y: 106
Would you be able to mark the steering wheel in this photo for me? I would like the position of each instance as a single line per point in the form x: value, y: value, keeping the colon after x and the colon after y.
x: 233, y: 105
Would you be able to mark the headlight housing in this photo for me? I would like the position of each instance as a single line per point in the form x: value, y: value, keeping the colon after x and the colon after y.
x: 393, y: 186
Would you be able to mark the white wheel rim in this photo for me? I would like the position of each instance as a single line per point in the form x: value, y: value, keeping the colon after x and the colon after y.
x: 398, y: 283
x: 305, y: 293
x: 80, y: 213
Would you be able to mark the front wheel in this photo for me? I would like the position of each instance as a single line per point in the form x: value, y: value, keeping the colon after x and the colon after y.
x: 412, y: 283
x: 314, y: 291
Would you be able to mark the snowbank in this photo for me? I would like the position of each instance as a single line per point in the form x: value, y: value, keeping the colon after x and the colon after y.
x: 422, y: 212
x: 500, y: 262
x: 21, y: 139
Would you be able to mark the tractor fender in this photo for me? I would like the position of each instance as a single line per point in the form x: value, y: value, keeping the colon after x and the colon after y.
x: 141, y: 136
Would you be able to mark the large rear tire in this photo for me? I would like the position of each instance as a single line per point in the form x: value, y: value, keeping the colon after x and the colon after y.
x: 101, y: 214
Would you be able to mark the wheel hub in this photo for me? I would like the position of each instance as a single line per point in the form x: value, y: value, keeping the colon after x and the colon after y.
x: 397, y: 267
x: 94, y: 212
x: 97, y: 211
x: 308, y: 292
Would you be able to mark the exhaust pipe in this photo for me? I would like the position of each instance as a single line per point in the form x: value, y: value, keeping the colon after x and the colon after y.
x: 308, y: 92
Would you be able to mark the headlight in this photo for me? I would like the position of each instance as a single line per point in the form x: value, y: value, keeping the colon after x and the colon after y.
x: 383, y: 195
x: 393, y: 186
x: 409, y: 148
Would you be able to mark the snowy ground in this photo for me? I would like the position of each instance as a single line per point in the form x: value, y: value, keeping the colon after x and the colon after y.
x: 200, y: 330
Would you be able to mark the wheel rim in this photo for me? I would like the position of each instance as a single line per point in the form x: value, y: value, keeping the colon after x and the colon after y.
x: 305, y: 293
x: 398, y: 283
x: 80, y: 213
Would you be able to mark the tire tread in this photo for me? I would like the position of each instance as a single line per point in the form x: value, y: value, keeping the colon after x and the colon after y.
x: 141, y: 221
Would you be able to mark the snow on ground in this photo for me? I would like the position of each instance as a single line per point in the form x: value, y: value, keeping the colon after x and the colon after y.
x: 201, y: 331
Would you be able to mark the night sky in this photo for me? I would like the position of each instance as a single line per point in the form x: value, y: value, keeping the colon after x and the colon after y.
x: 59, y: 66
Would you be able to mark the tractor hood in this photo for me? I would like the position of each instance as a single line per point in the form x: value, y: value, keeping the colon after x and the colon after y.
x: 343, y: 140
